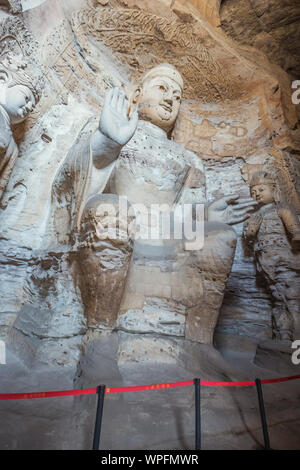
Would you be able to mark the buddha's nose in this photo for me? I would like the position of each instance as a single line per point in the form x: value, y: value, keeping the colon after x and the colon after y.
x: 169, y: 101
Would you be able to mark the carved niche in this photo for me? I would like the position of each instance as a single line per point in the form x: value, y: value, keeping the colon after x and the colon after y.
x: 141, y: 40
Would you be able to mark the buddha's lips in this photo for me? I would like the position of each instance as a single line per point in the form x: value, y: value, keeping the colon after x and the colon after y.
x: 166, y: 107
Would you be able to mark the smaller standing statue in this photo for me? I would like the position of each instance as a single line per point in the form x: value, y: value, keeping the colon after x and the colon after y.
x: 18, y: 97
x: 274, y: 233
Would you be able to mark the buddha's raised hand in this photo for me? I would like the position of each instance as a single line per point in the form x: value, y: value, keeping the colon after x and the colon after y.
x: 114, y: 121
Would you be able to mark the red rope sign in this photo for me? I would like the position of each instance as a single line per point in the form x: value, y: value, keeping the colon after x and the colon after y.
x: 140, y: 388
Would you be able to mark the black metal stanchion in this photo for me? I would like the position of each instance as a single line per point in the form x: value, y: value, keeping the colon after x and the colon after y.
x: 263, y: 414
x: 97, y: 431
x: 197, y: 414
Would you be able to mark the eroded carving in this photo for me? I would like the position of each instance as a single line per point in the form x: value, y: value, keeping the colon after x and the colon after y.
x: 274, y: 233
x: 104, y: 260
x: 129, y: 32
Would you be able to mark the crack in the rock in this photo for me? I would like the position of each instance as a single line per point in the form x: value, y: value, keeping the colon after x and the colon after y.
x: 39, y: 336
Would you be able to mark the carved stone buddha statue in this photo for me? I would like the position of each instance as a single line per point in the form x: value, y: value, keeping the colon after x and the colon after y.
x: 126, y: 280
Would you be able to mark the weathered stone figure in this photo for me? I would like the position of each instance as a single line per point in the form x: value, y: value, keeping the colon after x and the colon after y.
x: 18, y: 97
x: 274, y: 233
x: 152, y: 169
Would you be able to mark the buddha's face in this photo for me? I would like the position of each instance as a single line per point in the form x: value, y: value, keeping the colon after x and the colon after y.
x: 19, y: 102
x: 159, y: 101
x: 262, y: 193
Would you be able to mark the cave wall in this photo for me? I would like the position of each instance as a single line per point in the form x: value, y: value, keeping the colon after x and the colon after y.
x: 236, y: 111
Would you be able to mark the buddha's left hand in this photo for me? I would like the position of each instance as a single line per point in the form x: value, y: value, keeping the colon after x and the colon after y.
x: 230, y: 209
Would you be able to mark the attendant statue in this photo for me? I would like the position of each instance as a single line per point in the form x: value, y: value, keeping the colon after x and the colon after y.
x: 274, y: 234
x: 131, y: 156
x: 18, y: 97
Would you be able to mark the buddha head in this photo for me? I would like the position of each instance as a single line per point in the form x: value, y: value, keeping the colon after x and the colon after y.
x: 263, y: 188
x: 18, y: 94
x: 159, y: 95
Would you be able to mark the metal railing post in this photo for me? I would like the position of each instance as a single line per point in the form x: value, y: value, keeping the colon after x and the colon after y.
x: 197, y: 414
x: 263, y: 414
x: 99, y: 413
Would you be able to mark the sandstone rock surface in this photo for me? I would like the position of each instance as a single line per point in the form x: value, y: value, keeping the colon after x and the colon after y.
x: 236, y: 118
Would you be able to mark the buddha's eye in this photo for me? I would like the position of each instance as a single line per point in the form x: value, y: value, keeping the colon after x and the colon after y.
x: 26, y: 99
x: 162, y: 88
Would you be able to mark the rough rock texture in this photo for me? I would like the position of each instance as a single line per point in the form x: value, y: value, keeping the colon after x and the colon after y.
x: 236, y: 111
x: 271, y: 26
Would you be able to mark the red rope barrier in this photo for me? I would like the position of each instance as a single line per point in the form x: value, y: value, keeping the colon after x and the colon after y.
x: 282, y: 379
x: 90, y: 391
x: 148, y: 387
x: 29, y: 396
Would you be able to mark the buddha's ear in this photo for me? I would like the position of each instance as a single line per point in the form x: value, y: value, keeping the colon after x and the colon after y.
x: 135, y: 95
x: 277, y: 195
